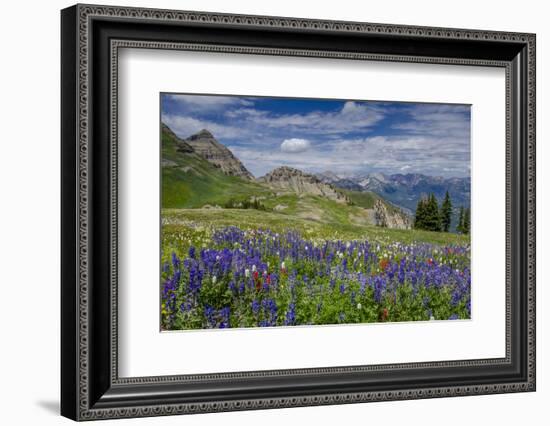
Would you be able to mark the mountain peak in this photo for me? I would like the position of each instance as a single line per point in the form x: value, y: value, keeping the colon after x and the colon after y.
x: 203, y: 134
x: 205, y: 144
x: 328, y: 175
x: 379, y: 176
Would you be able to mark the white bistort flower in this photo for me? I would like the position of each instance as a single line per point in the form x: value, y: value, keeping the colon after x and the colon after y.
x: 247, y: 273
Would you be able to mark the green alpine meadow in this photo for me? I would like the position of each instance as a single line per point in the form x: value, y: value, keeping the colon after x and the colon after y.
x: 303, y: 212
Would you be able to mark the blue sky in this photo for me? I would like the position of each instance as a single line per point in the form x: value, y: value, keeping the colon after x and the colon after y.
x: 316, y: 135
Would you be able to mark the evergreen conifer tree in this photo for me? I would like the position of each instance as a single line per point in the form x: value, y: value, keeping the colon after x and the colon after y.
x: 420, y: 215
x: 466, y: 224
x: 460, y: 224
x: 446, y: 211
x: 432, y: 222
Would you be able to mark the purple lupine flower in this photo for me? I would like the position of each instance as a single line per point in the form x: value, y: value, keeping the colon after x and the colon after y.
x: 225, y: 314
x: 290, y: 318
x: 175, y: 261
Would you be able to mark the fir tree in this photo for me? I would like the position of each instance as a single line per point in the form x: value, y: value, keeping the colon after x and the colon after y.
x: 460, y: 224
x: 446, y: 211
x: 420, y: 215
x: 466, y: 222
x: 432, y: 219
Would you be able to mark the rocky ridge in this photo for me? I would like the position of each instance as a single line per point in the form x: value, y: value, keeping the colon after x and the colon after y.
x: 385, y: 218
x: 205, y: 145
x: 288, y: 179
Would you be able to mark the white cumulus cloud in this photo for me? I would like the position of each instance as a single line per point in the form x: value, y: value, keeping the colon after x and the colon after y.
x: 295, y: 145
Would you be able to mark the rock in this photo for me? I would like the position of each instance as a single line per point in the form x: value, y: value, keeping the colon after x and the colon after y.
x: 383, y: 217
x: 168, y: 163
x: 205, y: 145
x: 288, y: 179
x: 184, y: 147
x: 280, y: 207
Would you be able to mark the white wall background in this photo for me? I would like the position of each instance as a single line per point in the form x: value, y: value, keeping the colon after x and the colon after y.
x: 29, y: 211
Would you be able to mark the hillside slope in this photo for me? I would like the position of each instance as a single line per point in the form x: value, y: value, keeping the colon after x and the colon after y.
x: 190, y: 181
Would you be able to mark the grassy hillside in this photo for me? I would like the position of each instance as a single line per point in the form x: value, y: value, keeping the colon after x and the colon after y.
x: 190, y: 181
x: 362, y: 199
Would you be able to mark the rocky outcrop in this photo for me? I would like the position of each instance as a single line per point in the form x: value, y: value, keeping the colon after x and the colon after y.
x: 184, y: 147
x: 390, y: 219
x: 288, y: 179
x: 205, y: 145
x: 168, y: 163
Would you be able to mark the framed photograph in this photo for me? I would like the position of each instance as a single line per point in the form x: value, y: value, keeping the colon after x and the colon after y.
x: 263, y: 212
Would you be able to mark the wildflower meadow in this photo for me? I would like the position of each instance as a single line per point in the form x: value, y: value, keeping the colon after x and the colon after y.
x: 234, y: 278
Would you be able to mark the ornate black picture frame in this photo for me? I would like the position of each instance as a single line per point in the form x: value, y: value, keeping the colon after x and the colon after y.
x: 91, y: 36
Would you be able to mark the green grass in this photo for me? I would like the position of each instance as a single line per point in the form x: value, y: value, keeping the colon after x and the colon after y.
x: 193, y: 182
x: 362, y: 199
x: 177, y: 221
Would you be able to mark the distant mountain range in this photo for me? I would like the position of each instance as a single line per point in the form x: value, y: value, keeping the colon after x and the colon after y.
x: 404, y: 190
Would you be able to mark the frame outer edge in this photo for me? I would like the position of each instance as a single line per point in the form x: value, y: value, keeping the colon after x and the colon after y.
x: 81, y: 318
x: 69, y: 220
x: 531, y: 200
